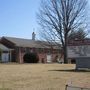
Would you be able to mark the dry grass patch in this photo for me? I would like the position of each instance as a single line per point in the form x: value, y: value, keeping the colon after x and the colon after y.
x: 40, y: 76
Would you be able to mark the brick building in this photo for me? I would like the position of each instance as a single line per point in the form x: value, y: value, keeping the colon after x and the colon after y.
x: 31, y: 50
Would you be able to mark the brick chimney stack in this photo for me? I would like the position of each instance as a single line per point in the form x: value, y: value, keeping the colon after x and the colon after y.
x: 33, y: 36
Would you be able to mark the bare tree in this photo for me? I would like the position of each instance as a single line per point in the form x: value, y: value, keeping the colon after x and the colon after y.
x: 57, y: 18
x: 79, y: 34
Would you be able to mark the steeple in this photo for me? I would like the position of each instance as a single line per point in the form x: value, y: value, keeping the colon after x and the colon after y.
x: 33, y: 36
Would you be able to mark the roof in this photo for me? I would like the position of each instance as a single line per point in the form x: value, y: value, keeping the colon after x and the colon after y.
x: 79, y: 42
x: 4, y: 48
x: 20, y: 42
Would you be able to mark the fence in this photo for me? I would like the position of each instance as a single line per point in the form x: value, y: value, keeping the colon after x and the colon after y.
x: 75, y: 88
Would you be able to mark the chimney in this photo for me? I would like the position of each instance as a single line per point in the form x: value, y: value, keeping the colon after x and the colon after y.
x: 33, y: 36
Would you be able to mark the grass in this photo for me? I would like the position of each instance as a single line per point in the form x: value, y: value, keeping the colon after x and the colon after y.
x: 41, y: 76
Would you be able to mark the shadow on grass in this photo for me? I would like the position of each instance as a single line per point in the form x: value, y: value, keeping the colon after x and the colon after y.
x: 70, y: 70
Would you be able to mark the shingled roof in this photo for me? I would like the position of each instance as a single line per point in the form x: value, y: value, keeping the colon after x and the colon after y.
x: 79, y: 42
x: 20, y: 42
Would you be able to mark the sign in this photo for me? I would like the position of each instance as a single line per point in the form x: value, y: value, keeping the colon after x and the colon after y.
x: 78, y: 51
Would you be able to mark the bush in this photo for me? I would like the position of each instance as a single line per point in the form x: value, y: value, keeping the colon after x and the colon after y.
x: 31, y: 58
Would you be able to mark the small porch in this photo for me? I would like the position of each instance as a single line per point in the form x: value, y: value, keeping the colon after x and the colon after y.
x: 5, y: 54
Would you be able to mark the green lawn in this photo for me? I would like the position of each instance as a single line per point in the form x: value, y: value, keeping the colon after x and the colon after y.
x: 41, y: 76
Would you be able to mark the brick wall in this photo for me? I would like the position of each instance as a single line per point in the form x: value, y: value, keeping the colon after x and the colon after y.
x: 42, y: 56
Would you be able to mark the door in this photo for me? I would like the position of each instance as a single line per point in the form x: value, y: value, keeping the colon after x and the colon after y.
x: 49, y: 59
x: 5, y: 57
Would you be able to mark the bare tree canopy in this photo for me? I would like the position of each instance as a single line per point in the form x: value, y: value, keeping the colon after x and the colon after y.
x: 57, y: 18
x: 79, y: 34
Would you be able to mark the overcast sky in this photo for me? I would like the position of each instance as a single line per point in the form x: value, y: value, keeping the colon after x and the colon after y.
x: 18, y: 17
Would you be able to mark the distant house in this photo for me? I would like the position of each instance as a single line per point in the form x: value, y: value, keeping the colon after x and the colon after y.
x: 79, y: 52
x: 31, y: 50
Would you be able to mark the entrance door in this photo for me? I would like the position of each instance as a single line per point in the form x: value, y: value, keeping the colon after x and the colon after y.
x: 49, y: 59
x: 5, y: 57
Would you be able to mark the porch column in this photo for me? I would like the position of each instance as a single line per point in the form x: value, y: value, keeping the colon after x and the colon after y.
x: 10, y: 55
x: 20, y: 59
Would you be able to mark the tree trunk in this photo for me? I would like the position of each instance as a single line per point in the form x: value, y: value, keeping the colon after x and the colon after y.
x: 65, y: 50
x: 65, y: 54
